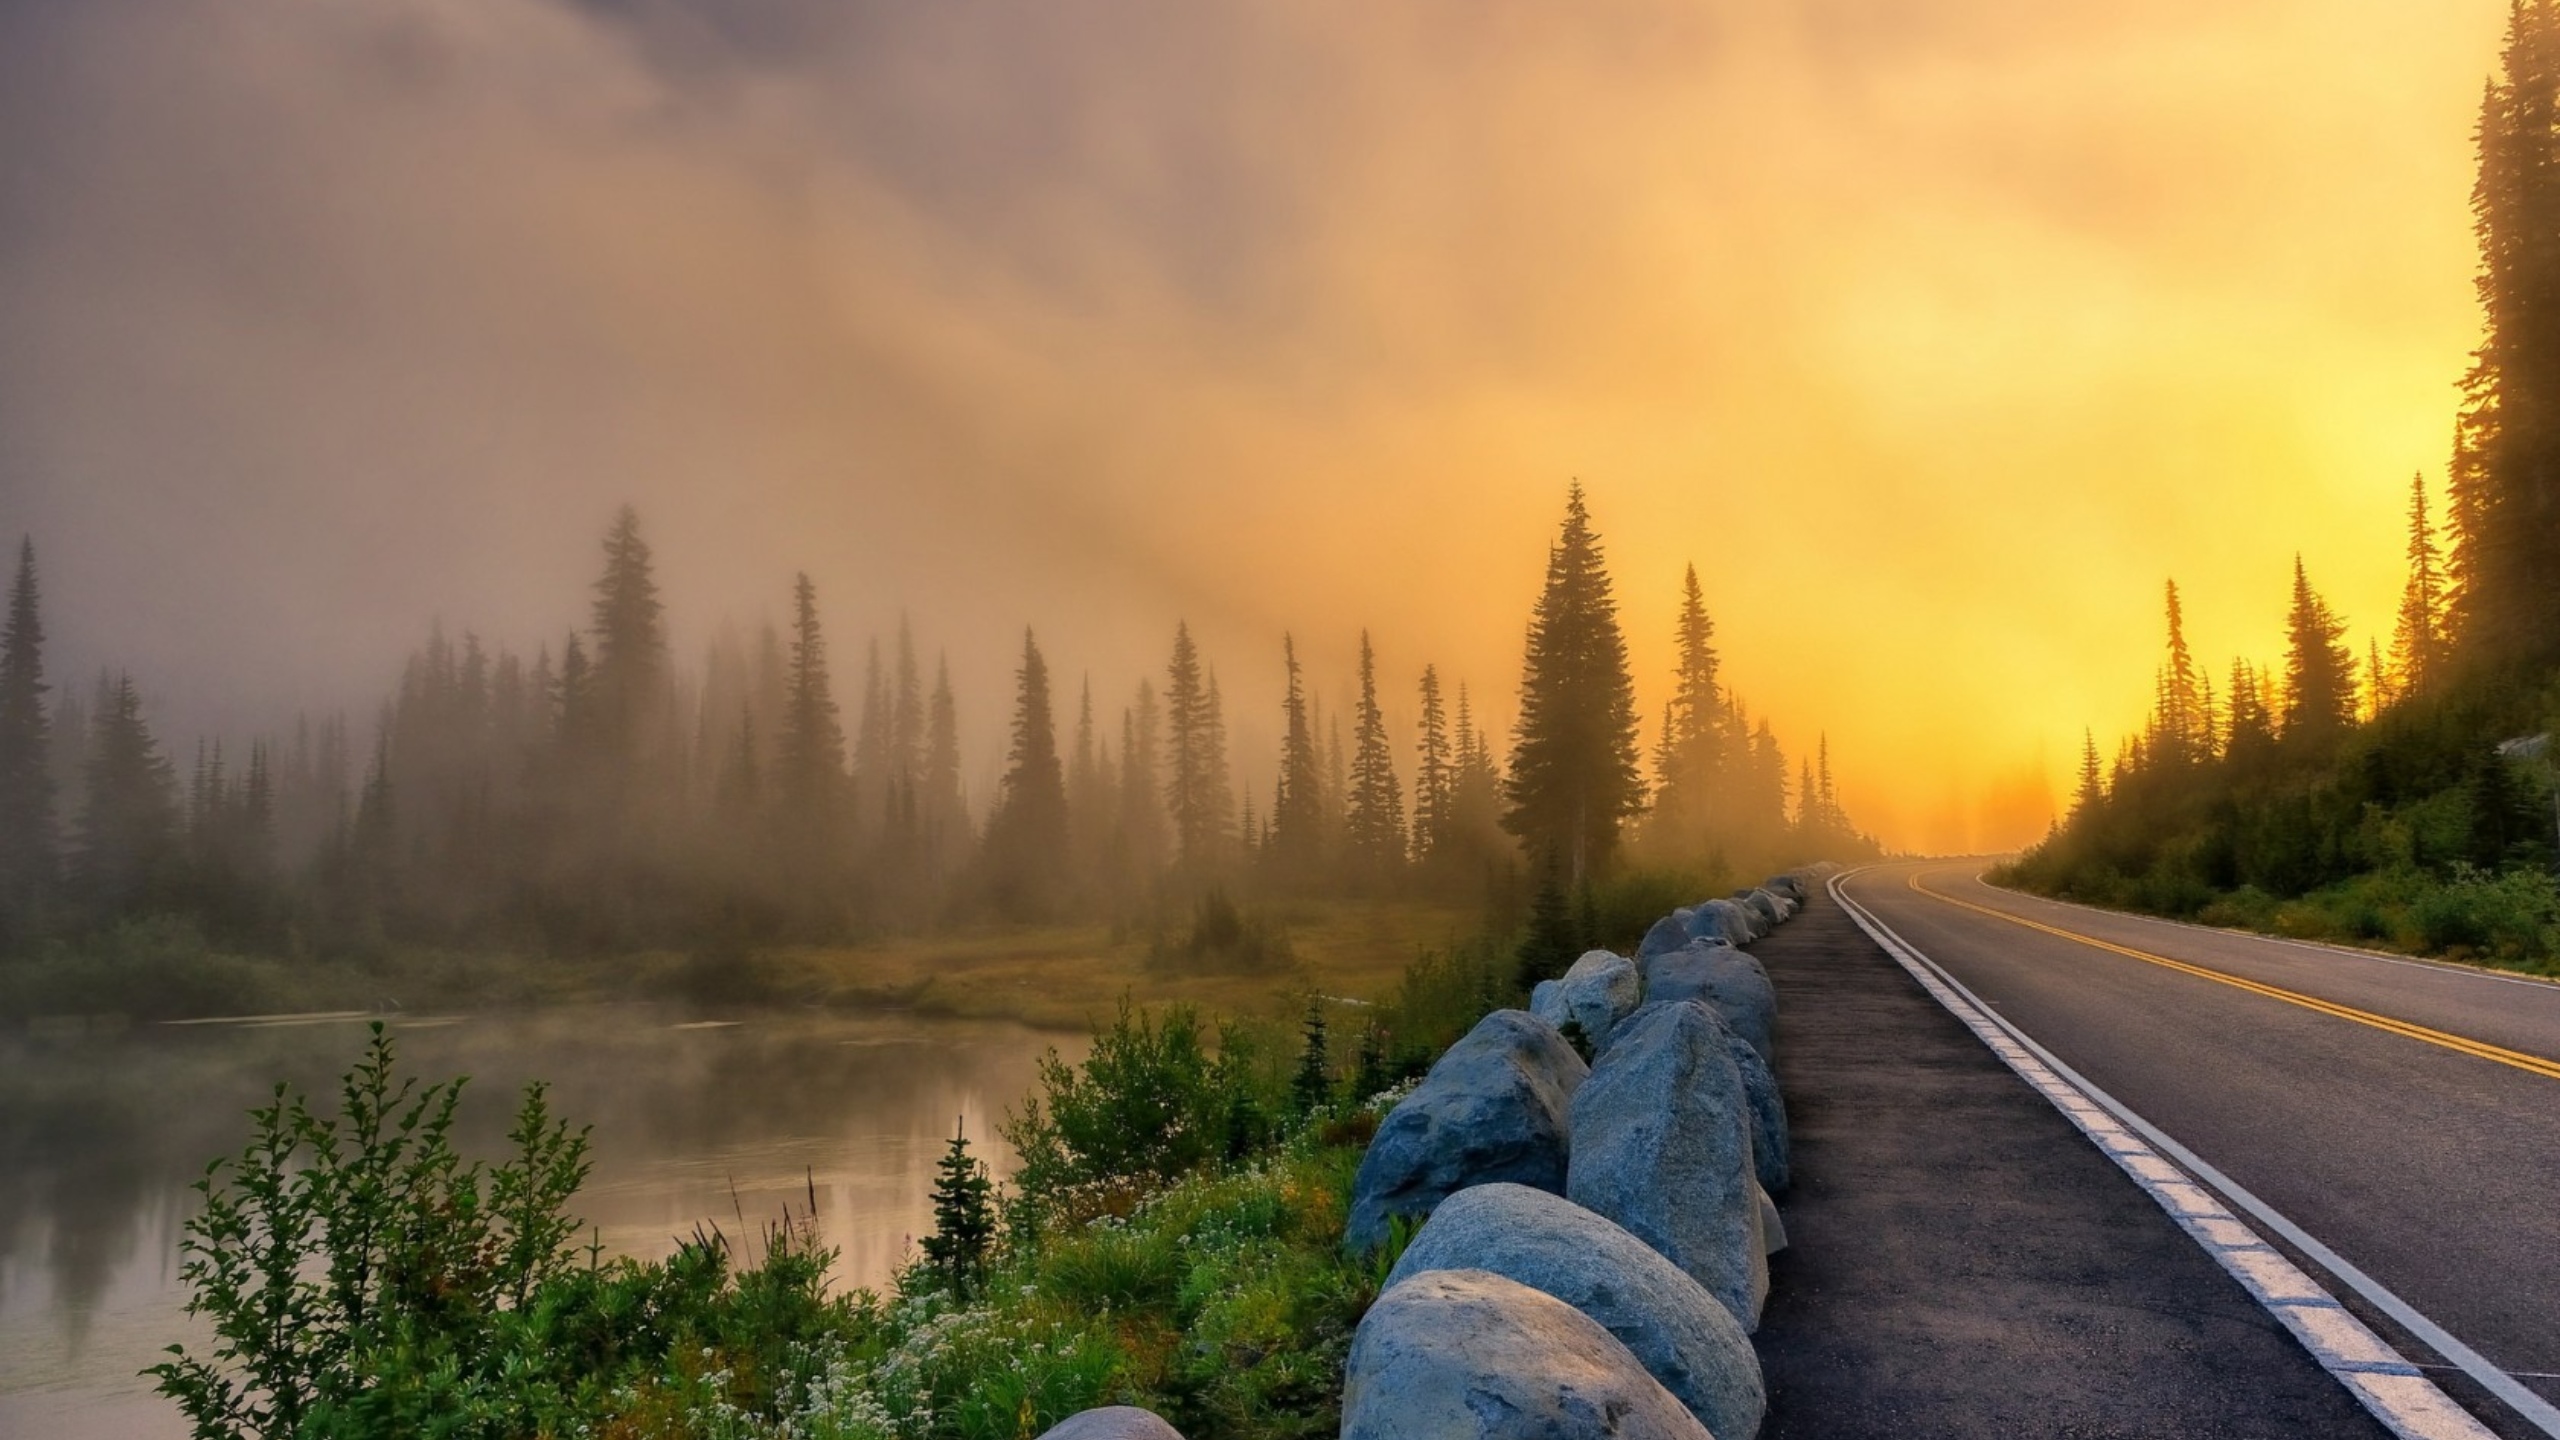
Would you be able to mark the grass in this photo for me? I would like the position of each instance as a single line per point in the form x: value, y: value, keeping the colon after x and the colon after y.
x: 1060, y: 977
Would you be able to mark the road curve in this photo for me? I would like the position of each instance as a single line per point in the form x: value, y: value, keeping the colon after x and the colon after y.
x: 2404, y: 1114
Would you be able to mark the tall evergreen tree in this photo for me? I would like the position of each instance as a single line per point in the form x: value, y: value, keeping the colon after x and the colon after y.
x: 2418, y: 641
x: 2252, y: 729
x: 1434, y: 772
x: 2092, y: 792
x: 964, y: 1218
x: 1297, y: 800
x: 2178, y: 728
x: 29, y: 860
x: 631, y: 643
x: 2320, y: 671
x: 1573, y: 773
x: 1142, y: 791
x: 808, y: 771
x: 1027, y: 831
x: 1374, y: 818
x: 1475, y: 789
x: 1195, y: 782
x: 946, y: 808
x: 129, y: 812
x: 1689, y: 757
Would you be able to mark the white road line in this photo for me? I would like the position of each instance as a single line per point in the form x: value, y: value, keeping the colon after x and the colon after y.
x: 2395, y: 1391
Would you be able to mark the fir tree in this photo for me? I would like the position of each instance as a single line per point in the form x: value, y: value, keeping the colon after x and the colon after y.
x: 1311, y: 1088
x: 809, y: 756
x: 1297, y: 800
x: 631, y: 645
x: 2178, y: 728
x: 2320, y: 671
x: 964, y: 1222
x: 1435, y: 772
x: 1027, y: 830
x: 946, y: 814
x: 1374, y: 819
x: 1555, y: 935
x: 2506, y: 467
x: 1142, y: 805
x: 2093, y: 786
x: 1191, y: 782
x: 1573, y: 762
x: 1689, y: 757
x: 129, y: 814
x: 2418, y: 638
x: 29, y: 861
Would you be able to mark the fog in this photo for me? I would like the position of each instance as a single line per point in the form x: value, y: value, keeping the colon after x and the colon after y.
x: 1936, y: 334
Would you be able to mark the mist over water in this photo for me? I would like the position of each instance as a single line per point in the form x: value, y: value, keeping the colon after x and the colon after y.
x: 697, y: 1123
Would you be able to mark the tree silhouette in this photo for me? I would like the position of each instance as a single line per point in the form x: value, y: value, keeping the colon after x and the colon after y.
x: 1435, y: 772
x: 1373, y: 820
x: 1573, y: 777
x: 1027, y: 831
x: 29, y: 861
x: 2320, y: 671
x: 1297, y: 799
x: 129, y: 812
x: 2418, y: 642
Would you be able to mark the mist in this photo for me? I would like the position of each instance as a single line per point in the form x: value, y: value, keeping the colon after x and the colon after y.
x: 1933, y: 334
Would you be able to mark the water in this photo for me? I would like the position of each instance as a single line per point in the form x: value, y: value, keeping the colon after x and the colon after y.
x: 723, y: 1121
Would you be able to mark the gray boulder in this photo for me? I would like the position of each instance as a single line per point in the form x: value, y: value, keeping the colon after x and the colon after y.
x: 1694, y: 975
x: 1720, y: 921
x: 1662, y: 1146
x: 1773, y: 1231
x: 1683, y: 1336
x: 1112, y: 1422
x: 1668, y: 933
x: 1791, y: 886
x: 1729, y: 981
x: 1769, y: 1145
x: 1599, y: 991
x: 1497, y: 1106
x: 1470, y: 1355
x: 1762, y: 905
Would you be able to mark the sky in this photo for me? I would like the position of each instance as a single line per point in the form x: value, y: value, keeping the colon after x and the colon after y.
x: 1935, y: 333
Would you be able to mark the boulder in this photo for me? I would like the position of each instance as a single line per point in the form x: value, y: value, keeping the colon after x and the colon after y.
x: 1112, y: 1422
x: 1791, y: 886
x: 1470, y: 1355
x: 1684, y: 1337
x: 1770, y: 1148
x: 1729, y: 981
x: 1668, y: 933
x: 1497, y: 1106
x: 1762, y: 905
x: 1599, y: 991
x: 1662, y: 1146
x: 1773, y: 1231
x: 1721, y: 921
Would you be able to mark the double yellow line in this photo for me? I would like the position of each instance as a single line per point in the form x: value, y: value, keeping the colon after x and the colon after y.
x: 2517, y: 1059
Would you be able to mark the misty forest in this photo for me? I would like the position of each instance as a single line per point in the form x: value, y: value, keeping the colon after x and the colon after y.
x: 985, y: 742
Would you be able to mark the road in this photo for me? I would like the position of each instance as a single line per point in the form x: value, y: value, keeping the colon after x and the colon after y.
x: 2404, y: 1114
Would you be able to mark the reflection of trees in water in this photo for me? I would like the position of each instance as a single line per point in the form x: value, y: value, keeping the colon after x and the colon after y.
x: 101, y: 1136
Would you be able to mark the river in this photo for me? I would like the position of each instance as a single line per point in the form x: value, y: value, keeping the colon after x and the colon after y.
x: 695, y: 1120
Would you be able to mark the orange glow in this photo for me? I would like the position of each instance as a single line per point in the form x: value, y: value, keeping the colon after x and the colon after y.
x: 1936, y: 334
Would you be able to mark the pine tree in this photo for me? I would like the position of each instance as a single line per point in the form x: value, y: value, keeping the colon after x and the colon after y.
x: 2320, y: 671
x: 808, y: 776
x: 129, y: 814
x: 1434, y: 774
x: 2252, y: 729
x: 2093, y: 786
x: 964, y: 1221
x: 1374, y: 819
x: 631, y: 644
x: 1573, y: 761
x: 1555, y: 935
x: 1475, y: 788
x: 1311, y: 1088
x: 946, y: 810
x: 29, y: 859
x: 1027, y: 830
x: 2505, y: 477
x: 1142, y: 806
x: 1297, y: 800
x: 1195, y: 781
x: 2178, y: 729
x: 2418, y: 639
x: 900, y: 798
x: 1689, y: 757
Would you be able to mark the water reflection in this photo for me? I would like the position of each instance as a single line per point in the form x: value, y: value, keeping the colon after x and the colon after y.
x: 723, y: 1122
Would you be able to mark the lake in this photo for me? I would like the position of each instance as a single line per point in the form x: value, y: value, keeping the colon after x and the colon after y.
x: 697, y: 1120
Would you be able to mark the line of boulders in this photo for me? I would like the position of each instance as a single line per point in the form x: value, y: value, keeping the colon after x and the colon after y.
x: 1593, y: 1242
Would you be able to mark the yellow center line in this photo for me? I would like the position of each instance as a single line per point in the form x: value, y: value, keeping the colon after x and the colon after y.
x: 2533, y: 1064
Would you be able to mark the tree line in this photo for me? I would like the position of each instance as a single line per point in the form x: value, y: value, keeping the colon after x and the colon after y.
x: 2413, y: 757
x: 595, y: 795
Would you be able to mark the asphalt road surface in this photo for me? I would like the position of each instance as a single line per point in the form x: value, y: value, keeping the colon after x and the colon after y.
x: 2406, y: 1115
